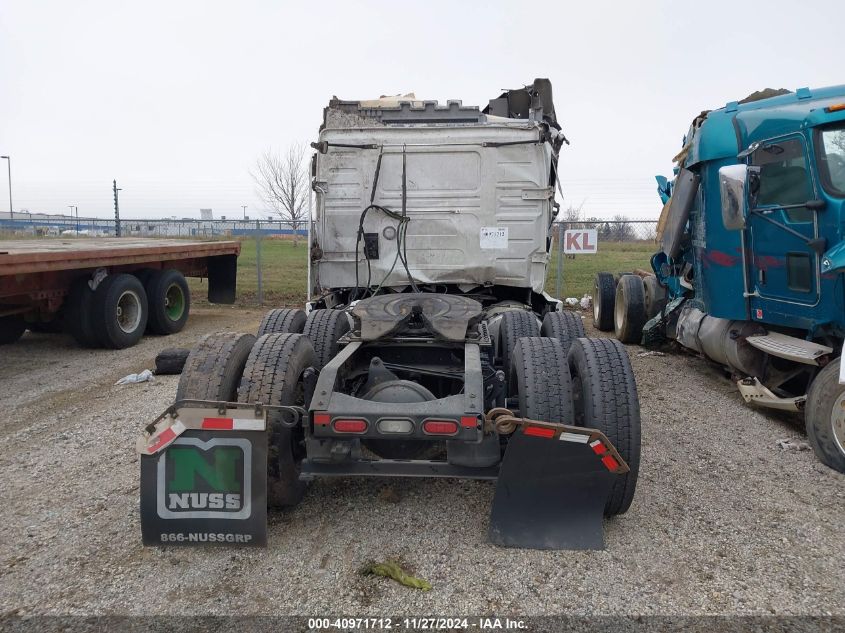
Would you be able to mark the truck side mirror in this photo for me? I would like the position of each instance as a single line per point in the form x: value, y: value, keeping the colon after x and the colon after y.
x: 733, y: 180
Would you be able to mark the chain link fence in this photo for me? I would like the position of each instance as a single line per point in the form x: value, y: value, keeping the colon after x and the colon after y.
x: 276, y: 272
x: 55, y: 226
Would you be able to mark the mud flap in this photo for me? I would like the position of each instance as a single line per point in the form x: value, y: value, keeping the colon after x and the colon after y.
x: 550, y: 494
x: 206, y: 488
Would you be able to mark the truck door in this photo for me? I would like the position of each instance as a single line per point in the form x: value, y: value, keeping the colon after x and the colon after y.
x: 782, y: 265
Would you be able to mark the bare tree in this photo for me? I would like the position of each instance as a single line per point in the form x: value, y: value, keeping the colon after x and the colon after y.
x: 622, y: 229
x: 282, y: 183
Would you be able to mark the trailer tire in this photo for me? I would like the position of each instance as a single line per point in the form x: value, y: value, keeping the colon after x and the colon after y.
x: 12, y: 328
x: 169, y: 301
x: 324, y: 328
x: 540, y: 378
x: 273, y: 375
x: 604, y: 300
x: 605, y: 398
x: 515, y: 325
x: 564, y: 326
x: 120, y: 311
x: 214, y: 368
x: 79, y: 307
x: 629, y: 315
x: 655, y: 296
x: 171, y: 361
x: 825, y: 417
x: 282, y: 321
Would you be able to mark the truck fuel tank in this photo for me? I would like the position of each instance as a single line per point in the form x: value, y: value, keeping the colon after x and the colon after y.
x: 721, y: 340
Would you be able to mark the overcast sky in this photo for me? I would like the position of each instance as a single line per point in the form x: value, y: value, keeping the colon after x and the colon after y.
x: 176, y: 99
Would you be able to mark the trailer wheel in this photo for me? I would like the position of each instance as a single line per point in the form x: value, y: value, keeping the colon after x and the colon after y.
x: 564, y: 326
x: 605, y: 398
x: 514, y: 325
x: 12, y: 328
x: 214, y: 368
x: 169, y: 299
x: 324, y: 328
x: 540, y: 377
x: 825, y: 417
x: 273, y: 375
x: 282, y: 321
x: 629, y: 313
x: 120, y: 311
x: 604, y: 299
x: 655, y: 296
x: 79, y: 309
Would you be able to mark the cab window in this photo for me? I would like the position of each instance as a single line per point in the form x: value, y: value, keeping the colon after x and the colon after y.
x: 784, y: 179
x: 831, y: 154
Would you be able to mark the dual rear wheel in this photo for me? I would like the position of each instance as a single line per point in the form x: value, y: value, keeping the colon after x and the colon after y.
x: 124, y: 306
x: 590, y: 385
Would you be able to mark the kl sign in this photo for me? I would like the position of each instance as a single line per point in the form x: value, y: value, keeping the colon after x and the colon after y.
x: 580, y: 242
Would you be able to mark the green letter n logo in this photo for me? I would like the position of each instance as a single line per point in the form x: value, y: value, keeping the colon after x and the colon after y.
x: 189, y: 462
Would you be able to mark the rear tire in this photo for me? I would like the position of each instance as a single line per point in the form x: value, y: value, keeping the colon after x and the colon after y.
x: 169, y: 301
x: 605, y: 398
x: 825, y: 417
x: 515, y: 324
x: 604, y: 300
x: 629, y: 313
x: 324, y: 328
x: 564, y: 326
x: 655, y: 296
x: 214, y: 368
x: 12, y: 328
x: 120, y: 311
x: 540, y: 378
x: 282, y: 321
x: 273, y: 375
x: 79, y: 308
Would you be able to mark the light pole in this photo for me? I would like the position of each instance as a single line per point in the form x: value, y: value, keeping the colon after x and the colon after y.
x: 9, y: 161
x: 243, y: 206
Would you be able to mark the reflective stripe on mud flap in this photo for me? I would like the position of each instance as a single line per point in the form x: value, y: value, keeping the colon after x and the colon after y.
x: 232, y: 424
x: 599, y: 447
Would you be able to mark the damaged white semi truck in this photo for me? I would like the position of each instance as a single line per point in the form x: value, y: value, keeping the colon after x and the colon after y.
x: 428, y: 347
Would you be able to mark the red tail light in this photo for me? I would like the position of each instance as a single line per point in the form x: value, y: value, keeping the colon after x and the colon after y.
x: 350, y: 426
x: 321, y: 418
x: 440, y: 427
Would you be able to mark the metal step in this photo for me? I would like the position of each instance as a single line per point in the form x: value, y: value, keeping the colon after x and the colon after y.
x: 790, y: 347
x: 755, y: 393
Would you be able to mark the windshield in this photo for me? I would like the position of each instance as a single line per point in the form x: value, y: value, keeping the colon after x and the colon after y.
x: 832, y: 158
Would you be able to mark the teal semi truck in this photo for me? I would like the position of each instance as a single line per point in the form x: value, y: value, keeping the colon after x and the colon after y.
x: 752, y: 255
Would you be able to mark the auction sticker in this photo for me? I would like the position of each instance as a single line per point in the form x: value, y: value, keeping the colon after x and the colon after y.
x: 494, y: 237
x: 206, y: 488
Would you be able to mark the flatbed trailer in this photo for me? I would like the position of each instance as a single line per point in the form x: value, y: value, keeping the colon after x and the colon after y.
x: 107, y: 292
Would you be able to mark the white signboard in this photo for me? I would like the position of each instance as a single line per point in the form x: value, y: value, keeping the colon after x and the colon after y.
x: 494, y: 237
x: 580, y: 242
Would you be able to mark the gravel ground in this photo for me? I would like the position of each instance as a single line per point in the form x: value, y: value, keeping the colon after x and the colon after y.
x: 724, y: 520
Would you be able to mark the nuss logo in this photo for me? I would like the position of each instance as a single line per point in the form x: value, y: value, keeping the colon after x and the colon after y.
x: 205, y: 480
